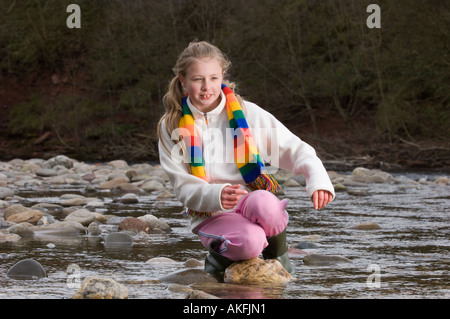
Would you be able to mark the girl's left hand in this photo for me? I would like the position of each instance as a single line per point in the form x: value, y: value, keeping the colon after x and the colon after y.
x: 321, y: 198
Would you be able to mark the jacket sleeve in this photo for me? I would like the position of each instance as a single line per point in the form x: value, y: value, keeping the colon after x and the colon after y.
x: 283, y: 149
x: 193, y: 192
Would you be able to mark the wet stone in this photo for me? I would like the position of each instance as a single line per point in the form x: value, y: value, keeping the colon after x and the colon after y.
x: 27, y: 269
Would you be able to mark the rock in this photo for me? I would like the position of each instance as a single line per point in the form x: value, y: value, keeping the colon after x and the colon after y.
x: 439, y: 180
x: 6, y: 237
x: 161, y: 261
x: 366, y: 226
x: 82, y: 216
x: 134, y: 224
x: 323, y: 260
x: 6, y: 192
x: 29, y: 216
x: 312, y: 238
x: 46, y: 172
x: 129, y: 199
x: 64, y: 228
x: 198, y: 294
x: 59, y: 160
x: 93, y: 229
x: 358, y: 192
x: 152, y: 186
x: 74, y: 202
x: 361, y: 174
x: 291, y: 183
x: 256, y: 270
x: 113, y: 183
x: 121, y: 164
x: 154, y: 222
x: 118, y: 240
x: 26, y: 269
x: 21, y: 229
x: 14, y: 209
x: 101, y: 288
x: 339, y: 187
x: 306, y: 245
x: 193, y: 263
x: 188, y: 276
x: 124, y: 188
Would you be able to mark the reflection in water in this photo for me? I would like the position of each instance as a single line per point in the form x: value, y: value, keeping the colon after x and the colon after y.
x: 410, y: 250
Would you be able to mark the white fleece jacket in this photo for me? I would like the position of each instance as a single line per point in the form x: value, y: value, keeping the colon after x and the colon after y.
x: 276, y: 144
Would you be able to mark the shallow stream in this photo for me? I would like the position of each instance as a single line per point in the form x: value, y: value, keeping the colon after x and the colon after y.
x: 408, y: 257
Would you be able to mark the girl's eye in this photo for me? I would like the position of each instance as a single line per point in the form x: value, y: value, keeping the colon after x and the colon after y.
x: 197, y: 79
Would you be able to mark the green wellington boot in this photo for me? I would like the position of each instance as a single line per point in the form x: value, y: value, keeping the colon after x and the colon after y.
x: 215, y: 264
x: 278, y: 249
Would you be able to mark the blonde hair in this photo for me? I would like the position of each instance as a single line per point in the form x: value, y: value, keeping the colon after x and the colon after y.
x: 173, y: 98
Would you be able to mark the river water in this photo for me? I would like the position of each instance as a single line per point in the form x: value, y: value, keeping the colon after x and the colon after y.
x: 408, y: 257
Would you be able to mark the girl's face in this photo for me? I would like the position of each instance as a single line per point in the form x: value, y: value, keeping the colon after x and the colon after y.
x: 203, y: 83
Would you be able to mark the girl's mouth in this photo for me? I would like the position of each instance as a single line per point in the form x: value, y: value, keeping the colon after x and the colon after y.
x: 205, y: 96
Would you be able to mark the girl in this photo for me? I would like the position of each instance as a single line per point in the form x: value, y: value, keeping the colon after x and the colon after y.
x: 210, y: 145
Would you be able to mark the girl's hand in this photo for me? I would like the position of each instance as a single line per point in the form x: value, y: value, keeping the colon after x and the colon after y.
x: 321, y: 198
x: 231, y: 195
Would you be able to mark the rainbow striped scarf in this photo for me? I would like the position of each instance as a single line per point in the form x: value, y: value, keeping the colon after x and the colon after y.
x: 246, y: 155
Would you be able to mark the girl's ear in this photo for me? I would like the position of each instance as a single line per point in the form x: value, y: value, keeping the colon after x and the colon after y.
x: 180, y: 77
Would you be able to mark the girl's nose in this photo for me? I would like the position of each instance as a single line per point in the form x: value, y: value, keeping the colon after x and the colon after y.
x: 205, y: 85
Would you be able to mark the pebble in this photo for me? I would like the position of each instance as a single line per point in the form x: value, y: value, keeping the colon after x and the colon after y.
x: 323, y: 260
x: 188, y: 276
x: 366, y: 226
x: 256, y: 270
x: 27, y: 269
x: 94, y: 287
x: 118, y: 240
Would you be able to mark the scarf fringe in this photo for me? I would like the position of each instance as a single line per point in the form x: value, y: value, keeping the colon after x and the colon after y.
x: 267, y: 182
x: 191, y: 213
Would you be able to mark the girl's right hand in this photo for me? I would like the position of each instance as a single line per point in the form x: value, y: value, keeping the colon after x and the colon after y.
x: 231, y: 195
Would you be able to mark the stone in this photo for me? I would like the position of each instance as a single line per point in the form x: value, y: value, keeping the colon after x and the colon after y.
x: 6, y: 237
x: 306, y: 245
x: 161, y: 261
x: 46, y: 172
x: 323, y: 260
x: 26, y: 269
x: 29, y: 216
x: 6, y: 192
x: 93, y: 229
x: 366, y: 226
x: 188, y: 276
x: 134, y: 224
x: 118, y: 240
x: 155, y: 222
x: 82, y: 216
x: 14, y: 209
x: 22, y: 230
x: 59, y: 160
x: 152, y: 186
x: 129, y: 199
x: 339, y: 187
x: 198, y: 294
x: 113, y: 183
x: 256, y: 270
x: 121, y: 164
x: 64, y: 228
x: 101, y: 288
x: 73, y: 202
x: 193, y: 263
x: 124, y: 188
x: 361, y: 174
